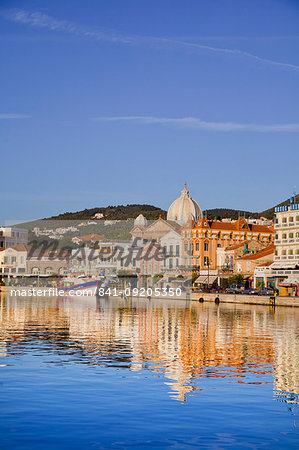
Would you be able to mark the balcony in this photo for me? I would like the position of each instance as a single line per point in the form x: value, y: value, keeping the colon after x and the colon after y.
x: 279, y: 226
x: 286, y: 241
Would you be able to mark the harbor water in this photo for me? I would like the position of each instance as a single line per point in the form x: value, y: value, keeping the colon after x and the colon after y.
x: 120, y: 373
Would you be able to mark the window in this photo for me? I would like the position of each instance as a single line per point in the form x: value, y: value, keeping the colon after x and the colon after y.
x: 177, y: 262
x: 219, y: 245
x: 291, y: 235
x: 206, y: 261
x: 219, y: 235
x: 231, y: 236
x: 291, y: 219
x: 177, y: 250
x: 206, y: 246
x: 197, y: 246
x: 284, y: 220
x: 284, y: 236
x: 171, y: 250
x: 170, y: 263
x: 186, y: 247
x: 206, y: 234
x: 297, y: 218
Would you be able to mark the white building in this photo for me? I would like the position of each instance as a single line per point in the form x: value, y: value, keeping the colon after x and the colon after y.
x: 285, y: 269
x: 10, y: 236
x: 184, y: 209
x: 172, y: 246
x: 13, y: 260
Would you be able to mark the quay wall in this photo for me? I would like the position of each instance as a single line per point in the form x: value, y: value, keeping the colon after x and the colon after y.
x: 246, y: 299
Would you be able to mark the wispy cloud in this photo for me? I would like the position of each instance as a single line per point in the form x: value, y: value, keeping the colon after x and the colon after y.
x: 40, y: 20
x: 5, y: 116
x: 198, y: 124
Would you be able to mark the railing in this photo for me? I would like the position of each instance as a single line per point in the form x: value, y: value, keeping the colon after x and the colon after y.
x: 286, y: 241
x: 286, y: 225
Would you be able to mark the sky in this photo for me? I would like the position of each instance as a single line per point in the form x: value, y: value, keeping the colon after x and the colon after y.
x: 119, y: 102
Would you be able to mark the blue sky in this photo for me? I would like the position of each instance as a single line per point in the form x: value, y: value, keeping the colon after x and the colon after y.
x: 116, y: 102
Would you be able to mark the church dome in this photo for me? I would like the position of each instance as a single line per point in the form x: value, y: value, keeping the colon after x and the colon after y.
x: 140, y: 221
x: 184, y: 208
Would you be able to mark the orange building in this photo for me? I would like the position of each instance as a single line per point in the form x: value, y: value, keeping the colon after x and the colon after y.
x: 210, y: 235
x: 246, y: 264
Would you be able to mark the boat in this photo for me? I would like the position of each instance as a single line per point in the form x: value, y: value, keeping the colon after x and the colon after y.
x: 78, y: 284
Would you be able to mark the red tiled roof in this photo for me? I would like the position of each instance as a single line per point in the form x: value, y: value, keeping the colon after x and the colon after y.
x: 265, y: 264
x: 91, y: 237
x: 233, y: 226
x: 234, y: 247
x: 264, y: 252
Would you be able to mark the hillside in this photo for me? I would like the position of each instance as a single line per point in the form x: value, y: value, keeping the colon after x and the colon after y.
x: 119, y: 212
x: 269, y: 213
x: 125, y: 212
x: 122, y: 212
x: 225, y: 213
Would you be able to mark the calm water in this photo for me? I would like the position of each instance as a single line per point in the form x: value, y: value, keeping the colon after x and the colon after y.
x: 117, y: 374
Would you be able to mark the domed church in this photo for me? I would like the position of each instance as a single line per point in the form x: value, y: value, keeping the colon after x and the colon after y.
x: 184, y: 208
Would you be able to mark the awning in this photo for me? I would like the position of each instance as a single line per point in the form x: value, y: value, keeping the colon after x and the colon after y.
x: 283, y: 266
x: 204, y: 279
x: 290, y: 282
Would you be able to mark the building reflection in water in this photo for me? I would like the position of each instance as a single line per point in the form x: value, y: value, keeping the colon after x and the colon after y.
x: 181, y: 341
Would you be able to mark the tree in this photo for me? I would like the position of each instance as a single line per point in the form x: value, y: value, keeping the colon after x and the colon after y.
x: 236, y: 279
x: 194, y: 276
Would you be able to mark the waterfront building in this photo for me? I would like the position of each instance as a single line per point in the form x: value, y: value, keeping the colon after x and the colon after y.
x: 246, y: 264
x: 208, y: 236
x: 49, y: 262
x: 171, y: 244
x: 10, y: 236
x: 13, y: 260
x: 227, y: 256
x: 285, y: 269
x: 174, y: 235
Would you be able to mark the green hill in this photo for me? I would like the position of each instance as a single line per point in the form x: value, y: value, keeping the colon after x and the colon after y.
x: 119, y: 212
x: 269, y: 213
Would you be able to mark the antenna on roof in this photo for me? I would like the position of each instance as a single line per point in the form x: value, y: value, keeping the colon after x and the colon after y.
x: 295, y: 191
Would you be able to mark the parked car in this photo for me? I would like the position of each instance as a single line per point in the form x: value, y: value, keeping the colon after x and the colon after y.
x: 266, y: 291
x: 233, y: 289
x: 250, y: 291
